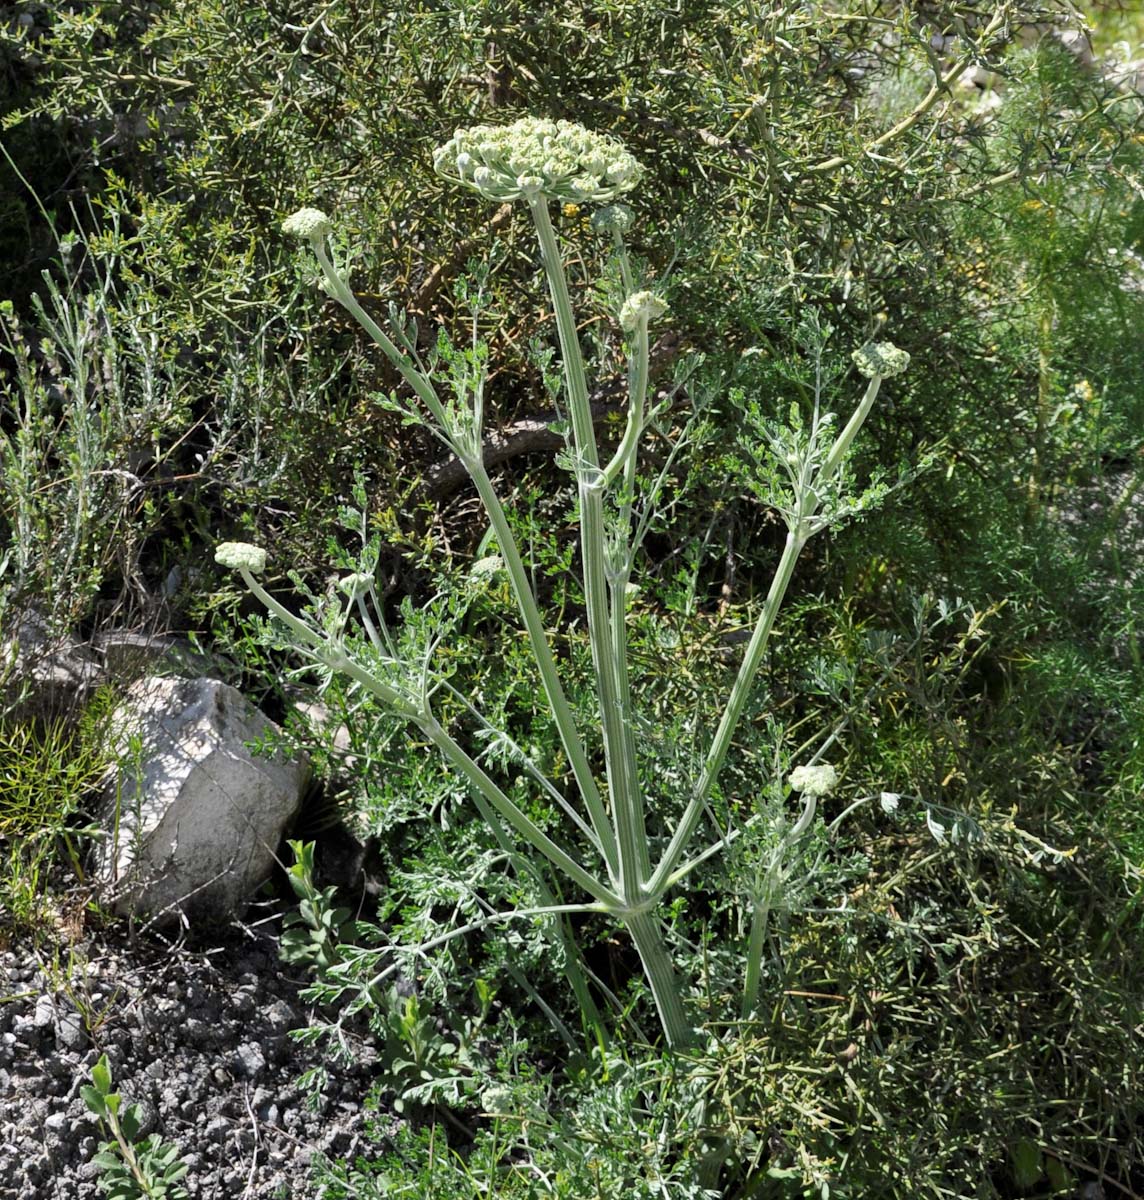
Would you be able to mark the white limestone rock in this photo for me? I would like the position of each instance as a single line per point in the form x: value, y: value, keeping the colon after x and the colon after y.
x: 193, y: 817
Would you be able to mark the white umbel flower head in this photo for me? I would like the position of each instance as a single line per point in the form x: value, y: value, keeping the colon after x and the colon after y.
x: 536, y: 157
x: 307, y: 225
x: 241, y: 556
x: 639, y: 306
x: 814, y: 781
x: 883, y: 359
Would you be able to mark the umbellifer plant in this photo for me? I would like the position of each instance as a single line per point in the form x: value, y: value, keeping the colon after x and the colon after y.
x: 537, y: 162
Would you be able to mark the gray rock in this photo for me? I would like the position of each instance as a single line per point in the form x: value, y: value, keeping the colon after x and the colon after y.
x: 249, y: 1062
x: 127, y: 655
x: 44, y: 1017
x: 70, y: 1031
x: 57, y: 672
x: 280, y: 1016
x: 216, y: 1128
x: 196, y: 817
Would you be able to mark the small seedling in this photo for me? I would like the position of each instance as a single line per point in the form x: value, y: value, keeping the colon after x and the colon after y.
x: 130, y: 1169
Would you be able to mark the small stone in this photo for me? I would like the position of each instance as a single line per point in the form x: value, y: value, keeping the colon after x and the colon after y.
x: 197, y: 1033
x: 61, y: 1066
x: 249, y: 1061
x: 280, y: 1016
x: 216, y: 1128
x: 243, y: 1003
x: 70, y: 1032
x: 45, y: 1015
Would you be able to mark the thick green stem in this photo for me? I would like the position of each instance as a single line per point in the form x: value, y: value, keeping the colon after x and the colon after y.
x: 561, y: 711
x: 550, y: 678
x: 575, y: 379
x: 646, y: 933
x: 342, y: 292
x: 625, y: 457
x: 623, y: 783
x: 620, y: 573
x: 760, y: 914
x: 842, y: 442
x: 734, y: 710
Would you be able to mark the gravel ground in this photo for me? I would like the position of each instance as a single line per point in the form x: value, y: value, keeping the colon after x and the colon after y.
x: 197, y: 1035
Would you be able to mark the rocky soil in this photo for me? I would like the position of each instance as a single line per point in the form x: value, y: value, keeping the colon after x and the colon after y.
x: 196, y: 1033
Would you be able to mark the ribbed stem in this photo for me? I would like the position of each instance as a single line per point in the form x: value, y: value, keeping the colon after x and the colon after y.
x: 623, y: 783
x: 842, y: 442
x: 731, y: 714
x: 550, y: 678
x: 646, y: 932
x: 760, y: 914
x: 342, y: 292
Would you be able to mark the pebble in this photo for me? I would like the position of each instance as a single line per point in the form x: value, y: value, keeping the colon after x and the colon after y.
x: 249, y: 1062
x: 216, y: 1128
x: 70, y: 1032
x: 44, y: 1017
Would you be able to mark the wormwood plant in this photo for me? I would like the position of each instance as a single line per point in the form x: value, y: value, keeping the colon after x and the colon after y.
x: 629, y: 859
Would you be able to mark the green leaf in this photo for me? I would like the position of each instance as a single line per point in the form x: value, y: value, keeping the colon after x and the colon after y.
x: 129, y: 1122
x: 94, y: 1100
x: 1059, y: 1176
x: 1026, y: 1160
x: 101, y: 1075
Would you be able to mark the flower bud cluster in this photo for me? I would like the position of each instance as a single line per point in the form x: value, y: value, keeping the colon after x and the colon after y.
x: 814, y: 781
x: 883, y: 359
x: 355, y: 585
x: 640, y: 306
x: 536, y: 157
x: 307, y: 224
x: 615, y: 218
x: 241, y: 556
